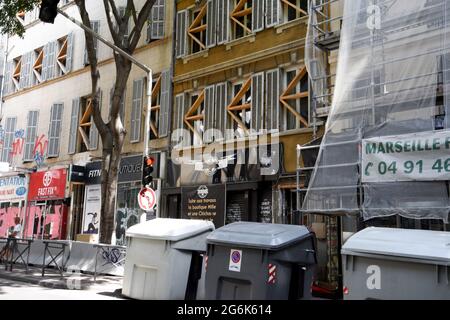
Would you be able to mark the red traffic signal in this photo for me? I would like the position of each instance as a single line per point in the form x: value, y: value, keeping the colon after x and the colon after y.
x: 147, y: 171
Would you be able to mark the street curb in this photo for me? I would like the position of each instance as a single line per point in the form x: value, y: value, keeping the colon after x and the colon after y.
x: 47, y: 283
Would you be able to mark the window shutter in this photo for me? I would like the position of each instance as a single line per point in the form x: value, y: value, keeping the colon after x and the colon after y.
x: 95, y: 25
x: 210, y: 114
x: 69, y: 52
x: 93, y: 132
x: 45, y: 62
x: 273, y: 12
x: 51, y: 62
x: 55, y: 130
x: 136, y: 110
x: 8, y: 77
x: 178, y: 118
x: 211, y: 23
x: 257, y: 92
x: 221, y: 102
x: 163, y: 128
x: 155, y: 25
x: 74, y: 121
x: 181, y: 31
x: 30, y: 136
x: 257, y: 15
x: 25, y: 71
x: 223, y: 13
x: 9, y: 138
x: 272, y: 121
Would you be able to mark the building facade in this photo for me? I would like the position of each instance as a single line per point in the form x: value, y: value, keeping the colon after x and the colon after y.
x: 47, y: 121
x: 241, y: 105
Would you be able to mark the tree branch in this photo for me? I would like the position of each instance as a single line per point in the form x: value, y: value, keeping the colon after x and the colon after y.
x: 108, y: 9
x: 135, y: 34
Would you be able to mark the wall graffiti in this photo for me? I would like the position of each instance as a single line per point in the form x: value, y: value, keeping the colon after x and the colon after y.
x: 17, y: 145
x: 125, y: 218
x: 40, y: 149
x: 45, y: 220
x: 7, y: 216
x: 113, y: 256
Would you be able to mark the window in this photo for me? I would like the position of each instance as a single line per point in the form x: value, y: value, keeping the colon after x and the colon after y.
x: 54, y: 133
x: 136, y: 110
x: 197, y: 30
x: 87, y: 128
x: 178, y: 116
x: 294, y: 9
x: 295, y: 99
x: 64, y: 57
x: 30, y: 135
x: 195, y: 116
x: 155, y: 24
x: 26, y: 75
x: 122, y: 12
x: 239, y: 108
x: 17, y: 71
x: 10, y: 130
x: 95, y: 25
x: 74, y: 120
x: 38, y: 64
x: 241, y: 18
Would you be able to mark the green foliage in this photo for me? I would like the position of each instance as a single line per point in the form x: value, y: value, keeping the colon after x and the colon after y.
x: 9, y: 23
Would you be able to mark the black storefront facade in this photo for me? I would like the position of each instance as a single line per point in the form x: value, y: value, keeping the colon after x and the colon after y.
x: 127, y: 212
x: 231, y: 191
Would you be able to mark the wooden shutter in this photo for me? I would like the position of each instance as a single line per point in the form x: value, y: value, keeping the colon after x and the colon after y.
x: 55, y: 130
x: 26, y: 71
x: 257, y: 91
x: 211, y: 16
x: 210, y: 114
x: 74, y: 120
x: 163, y: 127
x: 136, y: 110
x: 30, y: 135
x: 93, y: 132
x: 222, y: 23
x: 8, y: 78
x: 69, y: 57
x: 221, y: 103
x: 10, y: 130
x: 181, y: 33
x: 155, y: 27
x: 257, y: 15
x: 272, y: 120
x: 273, y: 12
x: 178, y: 115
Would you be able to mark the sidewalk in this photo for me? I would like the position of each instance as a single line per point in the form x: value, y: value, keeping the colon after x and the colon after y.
x: 52, y: 279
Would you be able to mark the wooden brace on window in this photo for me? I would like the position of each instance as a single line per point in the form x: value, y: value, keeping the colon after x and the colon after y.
x: 190, y: 115
x: 236, y: 104
x: 240, y: 11
x: 286, y: 95
x: 196, y: 27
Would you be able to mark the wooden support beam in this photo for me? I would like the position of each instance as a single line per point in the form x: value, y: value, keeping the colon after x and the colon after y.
x: 241, y: 107
x: 295, y: 113
x: 238, y: 97
x: 195, y: 117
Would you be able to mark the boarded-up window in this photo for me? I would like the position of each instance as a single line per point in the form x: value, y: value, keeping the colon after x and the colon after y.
x: 163, y: 126
x: 74, y: 120
x: 10, y: 130
x: 54, y: 134
x: 257, y: 90
x: 181, y: 33
x: 155, y: 24
x: 136, y: 110
x: 30, y: 135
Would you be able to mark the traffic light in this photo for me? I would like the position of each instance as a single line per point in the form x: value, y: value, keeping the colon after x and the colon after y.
x: 147, y: 171
x: 49, y: 11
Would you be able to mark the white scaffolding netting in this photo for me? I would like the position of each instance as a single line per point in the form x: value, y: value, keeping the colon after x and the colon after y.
x: 393, y: 78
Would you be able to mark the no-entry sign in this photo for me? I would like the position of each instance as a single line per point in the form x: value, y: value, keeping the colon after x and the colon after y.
x: 147, y: 199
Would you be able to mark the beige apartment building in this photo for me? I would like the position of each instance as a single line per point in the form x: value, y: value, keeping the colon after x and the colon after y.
x: 47, y: 125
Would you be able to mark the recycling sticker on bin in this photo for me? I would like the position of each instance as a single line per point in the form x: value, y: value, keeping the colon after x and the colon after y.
x: 235, y: 260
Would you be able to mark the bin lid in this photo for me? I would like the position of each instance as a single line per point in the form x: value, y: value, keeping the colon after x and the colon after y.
x: 417, y: 244
x: 258, y: 235
x: 169, y: 229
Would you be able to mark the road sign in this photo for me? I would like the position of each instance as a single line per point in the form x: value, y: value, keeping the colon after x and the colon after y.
x: 147, y: 199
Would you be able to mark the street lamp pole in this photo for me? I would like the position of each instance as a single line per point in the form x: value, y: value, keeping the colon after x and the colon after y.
x: 126, y: 55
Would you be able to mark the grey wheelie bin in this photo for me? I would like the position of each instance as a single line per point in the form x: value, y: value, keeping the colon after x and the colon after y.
x: 164, y: 259
x: 259, y: 261
x: 400, y: 264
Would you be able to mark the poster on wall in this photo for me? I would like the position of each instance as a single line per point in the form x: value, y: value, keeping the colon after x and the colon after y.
x: 265, y: 208
x: 204, y: 203
x: 92, y: 207
x: 12, y: 189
